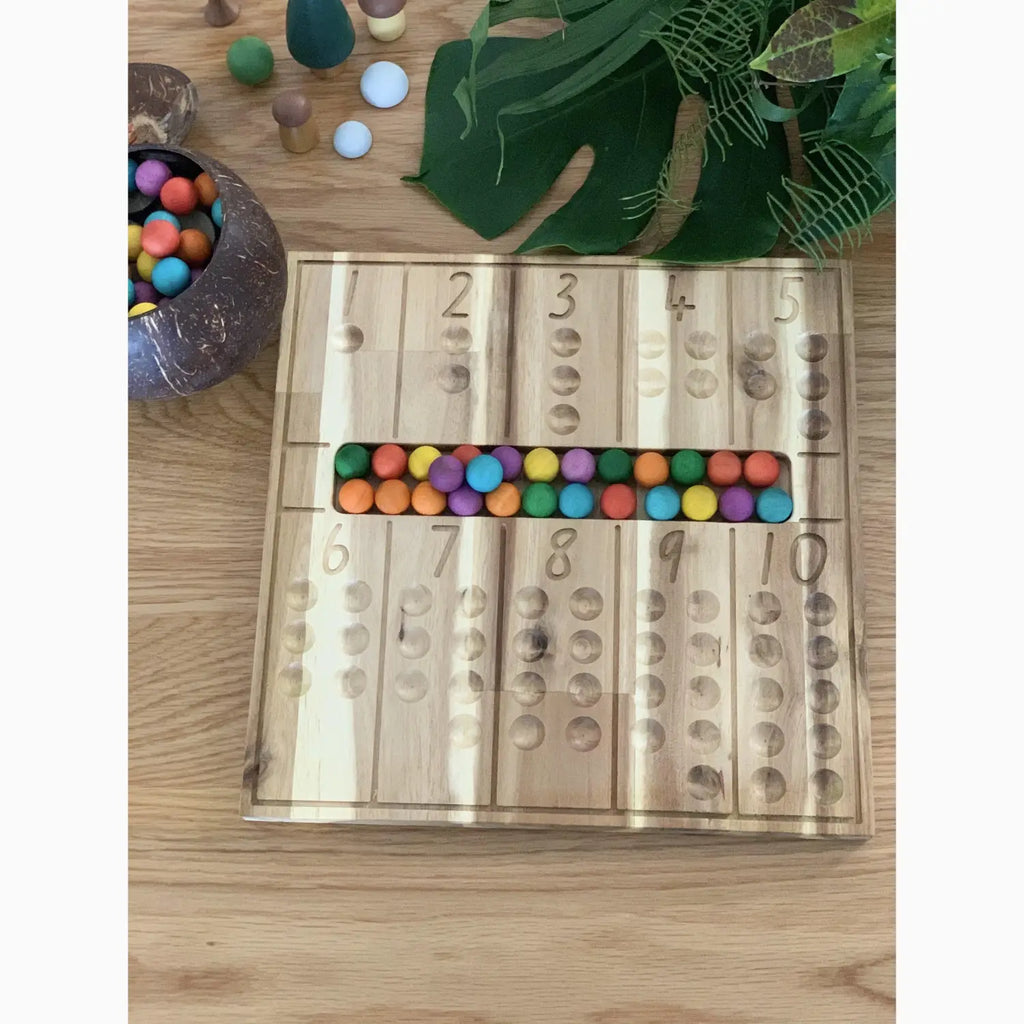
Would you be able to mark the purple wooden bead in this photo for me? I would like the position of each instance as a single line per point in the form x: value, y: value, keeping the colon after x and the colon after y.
x: 151, y: 176
x: 145, y: 292
x: 511, y: 460
x: 464, y: 501
x: 446, y: 473
x: 736, y: 504
x: 578, y: 466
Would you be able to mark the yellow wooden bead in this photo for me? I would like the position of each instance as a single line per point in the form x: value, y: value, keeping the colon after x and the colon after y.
x: 387, y: 30
x: 141, y: 307
x: 145, y: 264
x: 134, y: 241
x: 420, y: 460
x: 699, y: 503
x: 541, y: 465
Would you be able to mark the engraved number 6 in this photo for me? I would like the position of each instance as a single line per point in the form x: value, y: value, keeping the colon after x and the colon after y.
x: 334, y: 547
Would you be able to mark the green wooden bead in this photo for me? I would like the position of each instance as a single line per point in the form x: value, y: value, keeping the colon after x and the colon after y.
x: 352, y: 460
x: 540, y: 500
x: 614, y: 466
x: 687, y: 467
x: 250, y: 60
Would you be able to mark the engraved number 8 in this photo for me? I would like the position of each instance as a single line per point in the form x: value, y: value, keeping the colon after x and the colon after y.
x: 558, y: 565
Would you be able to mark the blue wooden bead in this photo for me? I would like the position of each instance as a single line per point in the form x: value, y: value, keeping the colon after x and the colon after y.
x: 774, y: 505
x: 484, y: 473
x: 662, y: 502
x: 575, y: 501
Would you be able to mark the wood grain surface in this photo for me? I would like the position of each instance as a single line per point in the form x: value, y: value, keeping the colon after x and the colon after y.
x: 234, y: 921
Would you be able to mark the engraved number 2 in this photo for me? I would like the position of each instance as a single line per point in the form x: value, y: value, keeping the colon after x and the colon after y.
x: 566, y: 293
x: 335, y: 553
x: 450, y: 311
x: 558, y: 565
x: 794, y: 305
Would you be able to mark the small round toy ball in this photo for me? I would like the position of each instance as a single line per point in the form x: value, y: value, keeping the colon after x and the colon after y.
x: 206, y: 189
x: 145, y: 292
x: 618, y: 501
x: 736, y: 504
x: 484, y: 473
x: 540, y: 465
x: 142, y: 307
x: 134, y: 241
x: 384, y: 84
x: 217, y: 213
x: 466, y: 453
x: 446, y: 473
x: 662, y: 502
x: 614, y: 466
x: 687, y: 467
x: 650, y: 469
x: 194, y: 247
x: 352, y: 139
x: 133, y: 166
x: 163, y: 215
x: 291, y: 109
x: 578, y: 466
x: 724, y: 469
x: 760, y: 469
x: 699, y: 503
x: 464, y: 501
x: 145, y: 264
x: 131, y: 293
x: 504, y: 500
x: 250, y: 60
x: 511, y: 460
x: 355, y: 496
x: 171, y: 276
x: 540, y: 500
x: 200, y: 222
x: 179, y: 195
x: 150, y: 177
x: 351, y: 460
x: 428, y: 500
x: 389, y: 461
x: 575, y: 501
x: 392, y: 497
x: 420, y: 459
x: 774, y: 505
x: 160, y: 238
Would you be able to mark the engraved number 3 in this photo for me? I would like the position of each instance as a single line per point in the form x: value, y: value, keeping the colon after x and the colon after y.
x: 566, y: 293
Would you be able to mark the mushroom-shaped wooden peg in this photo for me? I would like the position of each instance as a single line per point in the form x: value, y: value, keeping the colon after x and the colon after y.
x: 384, y: 18
x: 219, y: 13
x: 319, y: 34
x: 293, y: 114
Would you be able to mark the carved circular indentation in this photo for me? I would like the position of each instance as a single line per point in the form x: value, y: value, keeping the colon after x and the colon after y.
x: 527, y: 732
x: 565, y: 342
x: 357, y: 597
x: 702, y: 606
x: 700, y: 383
x: 297, y: 636
x: 759, y: 385
x: 651, y: 344
x: 413, y: 642
x: 824, y: 696
x: 704, y: 692
x: 765, y: 650
x: 583, y: 734
x: 348, y: 338
x: 355, y: 639
x: 767, y: 739
x: 415, y: 600
x: 705, y: 737
x: 294, y: 680
x: 814, y: 424
x: 531, y: 602
x: 819, y: 609
x: 822, y: 652
x: 703, y: 782
x: 701, y: 345
x: 584, y: 690
x: 469, y: 644
x: 650, y: 648
x: 352, y: 682
x: 812, y: 348
x: 466, y: 687
x: 530, y: 644
x: 826, y: 786
x: 650, y: 605
x: 456, y: 340
x: 411, y: 686
x: 564, y: 380
x: 767, y: 785
x: 767, y: 694
x: 472, y: 602
x: 764, y: 607
x: 703, y: 649
x: 586, y: 603
x: 648, y: 692
x: 585, y: 646
x: 651, y: 382
x: 759, y: 345
x: 301, y: 594
x: 528, y: 689
x: 647, y: 735
x: 463, y: 732
x: 563, y: 419
x: 453, y: 378
x: 813, y: 386
x: 825, y: 741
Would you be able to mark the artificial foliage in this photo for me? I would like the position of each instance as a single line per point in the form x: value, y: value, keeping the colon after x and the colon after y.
x: 505, y: 115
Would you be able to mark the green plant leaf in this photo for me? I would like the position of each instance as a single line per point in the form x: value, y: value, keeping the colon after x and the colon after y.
x: 461, y: 173
x: 828, y: 38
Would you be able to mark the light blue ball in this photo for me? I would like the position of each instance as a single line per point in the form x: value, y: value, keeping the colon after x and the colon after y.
x: 662, y: 502
x: 133, y: 166
x: 163, y: 215
x: 575, y: 501
x: 131, y: 293
x: 217, y: 213
x: 352, y: 139
x: 773, y: 505
x: 384, y: 84
x: 171, y: 276
x: 484, y: 473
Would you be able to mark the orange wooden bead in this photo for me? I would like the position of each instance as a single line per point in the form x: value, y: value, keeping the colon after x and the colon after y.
x: 160, y: 238
x: 427, y: 499
x: 207, y: 189
x: 392, y: 497
x: 194, y: 247
x: 389, y: 461
x: 466, y: 453
x: 355, y: 496
x: 179, y: 195
x: 504, y: 500
x: 650, y: 469
x: 761, y: 469
x: 724, y: 469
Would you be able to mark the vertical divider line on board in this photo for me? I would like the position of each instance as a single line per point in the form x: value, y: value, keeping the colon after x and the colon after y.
x: 380, y: 662
x: 614, y: 688
x: 401, y: 352
x: 510, y: 342
x: 729, y: 355
x: 499, y: 647
x: 732, y: 670
x: 619, y: 350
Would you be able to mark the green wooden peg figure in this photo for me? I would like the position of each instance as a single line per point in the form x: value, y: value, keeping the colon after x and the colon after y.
x: 319, y: 34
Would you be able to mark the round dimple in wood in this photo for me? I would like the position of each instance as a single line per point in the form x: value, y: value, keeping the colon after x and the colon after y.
x: 301, y: 594
x: 759, y: 345
x: 759, y: 385
x: 650, y: 648
x: 415, y: 600
x: 701, y: 345
x: 472, y: 601
x: 702, y: 606
x: 563, y: 419
x: 531, y: 602
x: 355, y: 639
x: 812, y: 348
x: 530, y: 644
x: 297, y: 636
x: 352, y: 682
x: 826, y: 786
x: 767, y: 694
x: 765, y: 650
x: 704, y: 693
x: 768, y: 785
x: 357, y: 596
x: 466, y: 687
x: 649, y: 692
x: 586, y: 603
x: 651, y: 344
x: 703, y: 782
x: 651, y: 382
x: 469, y: 644
x: 819, y: 609
x: 700, y: 383
x: 584, y: 690
x: 767, y: 739
x: 764, y: 608
x: 703, y: 736
x: 585, y: 646
x: 647, y: 735
x: 813, y: 386
x: 528, y: 689
x: 583, y: 734
x: 565, y: 342
x: 824, y: 696
x: 463, y: 732
x: 413, y: 642
x: 814, y: 424
x: 527, y: 732
x: 456, y: 340
x: 703, y: 649
x: 411, y: 686
x: 650, y: 605
x: 564, y: 380
x: 826, y: 741
x: 294, y: 680
x: 453, y: 378
x: 822, y: 652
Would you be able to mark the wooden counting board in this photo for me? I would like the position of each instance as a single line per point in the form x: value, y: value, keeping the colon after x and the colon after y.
x: 585, y: 672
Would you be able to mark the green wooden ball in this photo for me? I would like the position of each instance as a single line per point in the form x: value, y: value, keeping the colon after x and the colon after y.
x: 250, y: 60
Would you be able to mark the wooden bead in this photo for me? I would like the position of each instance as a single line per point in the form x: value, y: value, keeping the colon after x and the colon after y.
x: 387, y: 30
